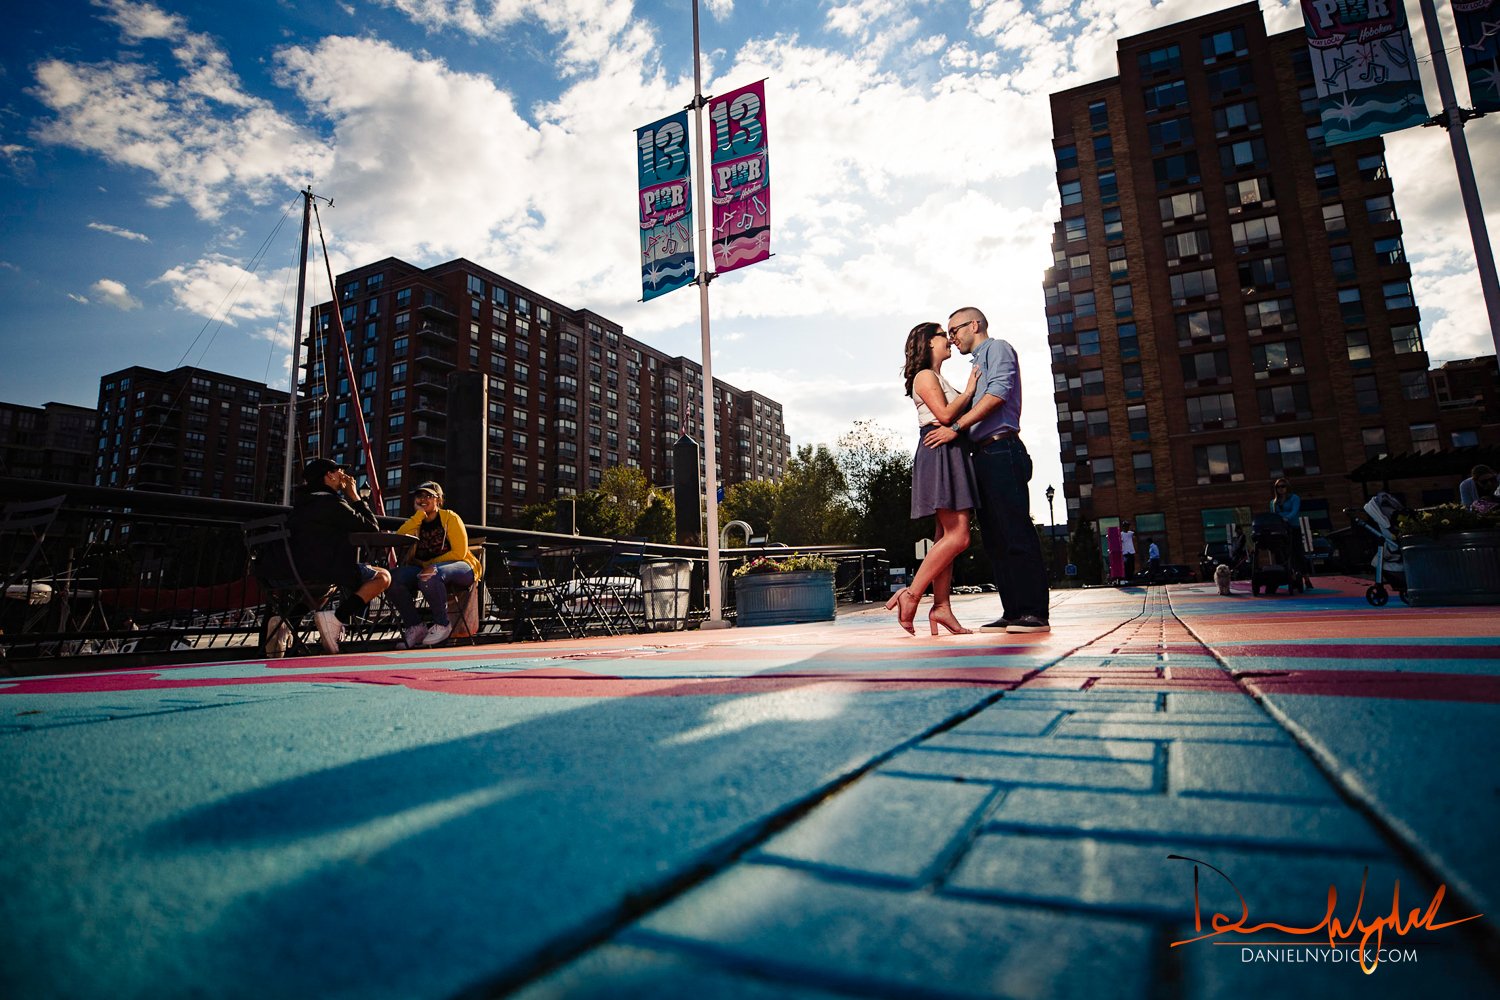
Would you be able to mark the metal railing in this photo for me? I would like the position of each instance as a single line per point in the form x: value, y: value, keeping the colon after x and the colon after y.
x: 133, y: 575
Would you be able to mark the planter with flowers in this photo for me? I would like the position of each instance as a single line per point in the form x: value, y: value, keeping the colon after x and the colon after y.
x: 1451, y: 555
x: 785, y: 591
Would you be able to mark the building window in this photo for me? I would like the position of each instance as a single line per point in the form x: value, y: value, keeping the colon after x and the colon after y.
x: 1366, y: 394
x: 1279, y: 357
x: 1389, y: 250
x: 1414, y: 385
x: 1124, y: 301
x: 1093, y: 382
x: 1170, y: 134
x: 1088, y: 342
x: 1181, y: 168
x: 1291, y: 456
x: 1098, y: 116
x: 1206, y: 325
x: 1326, y: 176
x: 1145, y: 472
x: 1351, y: 307
x: 1162, y: 60
x: 1216, y: 463
x: 1231, y: 80
x: 1252, y: 192
x: 1194, y: 285
x: 1284, y: 402
x: 1078, y: 266
x: 1380, y: 209
x: 1464, y: 439
x: 1372, y: 167
x: 1109, y: 188
x: 1102, y: 470
x: 1098, y: 423
x: 1342, y: 257
x: 1424, y: 438
x: 1205, y: 368
x: 1243, y: 155
x: 1071, y: 191
x: 1129, y: 343
x: 1067, y: 157
x: 1373, y: 439
x: 1165, y: 96
x: 1189, y: 246
x: 1184, y: 206
x: 1256, y: 234
x: 1138, y: 423
x: 1227, y: 44
x: 1333, y: 220
x: 1358, y: 345
x: 1236, y: 118
x: 1398, y: 295
x: 1083, y: 304
x: 1113, y: 228
x: 1104, y: 151
x: 1119, y: 264
x: 1406, y: 338
x: 1131, y: 380
x: 1211, y: 412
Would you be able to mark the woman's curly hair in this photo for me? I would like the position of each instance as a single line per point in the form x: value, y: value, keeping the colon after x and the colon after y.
x: 919, y: 349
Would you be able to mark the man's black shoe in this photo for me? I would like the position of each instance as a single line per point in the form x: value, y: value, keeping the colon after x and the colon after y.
x: 998, y: 625
x: 1028, y: 623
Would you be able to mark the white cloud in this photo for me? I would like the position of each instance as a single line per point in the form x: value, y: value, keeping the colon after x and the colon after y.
x: 113, y: 293
x: 124, y: 234
x: 218, y: 287
x: 719, y: 9
x: 80, y: 299
x: 201, y: 138
x: 589, y: 28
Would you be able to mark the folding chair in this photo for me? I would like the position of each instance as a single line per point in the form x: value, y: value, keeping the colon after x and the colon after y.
x: 615, y: 588
x: 288, y: 596
x: 466, y: 604
x: 534, y: 595
x: 23, y: 534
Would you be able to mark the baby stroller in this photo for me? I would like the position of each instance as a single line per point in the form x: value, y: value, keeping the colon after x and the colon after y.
x: 1272, y: 556
x: 1378, y: 517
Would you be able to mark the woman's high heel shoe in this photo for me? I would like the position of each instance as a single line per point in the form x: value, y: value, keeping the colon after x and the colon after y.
x: 906, y: 614
x: 942, y: 614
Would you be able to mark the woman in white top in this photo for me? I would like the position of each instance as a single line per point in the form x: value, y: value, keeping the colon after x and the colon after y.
x: 942, y: 478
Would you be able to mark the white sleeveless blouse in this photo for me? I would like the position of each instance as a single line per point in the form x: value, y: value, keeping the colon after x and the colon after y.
x: 924, y: 412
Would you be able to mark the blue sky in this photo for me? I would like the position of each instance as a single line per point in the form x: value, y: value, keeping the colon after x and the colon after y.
x: 149, y: 152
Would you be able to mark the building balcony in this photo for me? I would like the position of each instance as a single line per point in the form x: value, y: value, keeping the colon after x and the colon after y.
x: 433, y: 355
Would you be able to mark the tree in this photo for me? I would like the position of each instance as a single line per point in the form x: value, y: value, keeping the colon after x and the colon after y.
x: 658, y: 522
x: 813, y: 508
x: 1083, y: 552
x: 752, y: 501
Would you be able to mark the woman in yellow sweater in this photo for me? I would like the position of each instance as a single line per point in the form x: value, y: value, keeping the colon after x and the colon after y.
x: 441, y: 559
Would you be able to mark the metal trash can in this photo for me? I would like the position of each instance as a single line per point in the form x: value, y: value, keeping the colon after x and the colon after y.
x: 666, y: 586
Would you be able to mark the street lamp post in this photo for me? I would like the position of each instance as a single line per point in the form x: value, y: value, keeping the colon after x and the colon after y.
x: 1051, y: 535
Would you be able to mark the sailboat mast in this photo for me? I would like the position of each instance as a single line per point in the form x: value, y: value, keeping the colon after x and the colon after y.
x: 291, y: 408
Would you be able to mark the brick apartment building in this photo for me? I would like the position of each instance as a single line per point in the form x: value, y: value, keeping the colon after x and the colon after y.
x: 1229, y: 299
x: 54, y: 441
x: 566, y: 393
x: 190, y: 431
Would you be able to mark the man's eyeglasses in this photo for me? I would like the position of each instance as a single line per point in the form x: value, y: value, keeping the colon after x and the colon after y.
x: 953, y: 330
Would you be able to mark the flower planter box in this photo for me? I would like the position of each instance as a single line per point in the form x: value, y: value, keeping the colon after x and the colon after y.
x: 784, y: 598
x: 1461, y: 567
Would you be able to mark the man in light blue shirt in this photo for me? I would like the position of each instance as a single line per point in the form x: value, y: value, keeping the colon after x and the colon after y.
x: 1002, y: 469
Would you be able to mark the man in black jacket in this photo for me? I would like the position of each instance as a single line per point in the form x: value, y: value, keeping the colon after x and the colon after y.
x: 325, y: 514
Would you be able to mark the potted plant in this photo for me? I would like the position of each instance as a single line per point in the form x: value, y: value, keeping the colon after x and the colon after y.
x: 785, y: 590
x: 1451, y: 555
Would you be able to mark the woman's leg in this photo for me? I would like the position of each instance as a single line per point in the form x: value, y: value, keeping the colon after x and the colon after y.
x: 937, y: 569
x: 435, y: 587
x: 403, y: 585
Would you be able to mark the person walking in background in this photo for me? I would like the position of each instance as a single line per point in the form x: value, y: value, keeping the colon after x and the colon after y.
x: 1153, y: 560
x: 439, y: 561
x: 942, y: 479
x: 1289, y: 505
x: 1127, y: 548
x: 1002, y: 470
x: 327, y: 511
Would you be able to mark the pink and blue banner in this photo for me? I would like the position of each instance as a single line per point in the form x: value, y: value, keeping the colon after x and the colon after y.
x: 741, y: 179
x: 1365, y: 66
x: 1479, y: 38
x: 666, y: 204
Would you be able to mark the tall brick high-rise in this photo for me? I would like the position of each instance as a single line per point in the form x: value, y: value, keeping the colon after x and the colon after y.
x: 1229, y: 299
x: 568, y: 395
x: 191, y: 431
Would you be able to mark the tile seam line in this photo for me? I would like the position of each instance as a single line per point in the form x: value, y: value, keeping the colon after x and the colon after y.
x: 1484, y: 933
x: 715, y: 859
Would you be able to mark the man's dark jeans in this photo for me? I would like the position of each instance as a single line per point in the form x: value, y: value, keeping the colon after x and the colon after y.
x: 1003, y: 469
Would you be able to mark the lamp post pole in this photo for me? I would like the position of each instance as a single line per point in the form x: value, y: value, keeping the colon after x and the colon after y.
x: 1051, y: 535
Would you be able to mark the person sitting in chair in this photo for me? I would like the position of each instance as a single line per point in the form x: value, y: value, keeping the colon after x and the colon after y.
x: 439, y: 561
x: 328, y: 510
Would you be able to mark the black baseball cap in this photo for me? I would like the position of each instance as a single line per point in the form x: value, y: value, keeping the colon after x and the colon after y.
x: 429, y: 487
x: 316, y: 468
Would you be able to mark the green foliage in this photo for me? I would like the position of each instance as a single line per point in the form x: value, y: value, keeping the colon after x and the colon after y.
x: 1083, y: 552
x: 752, y: 501
x: 624, y: 505
x: 812, y: 508
x: 1445, y: 518
x: 658, y: 522
x: 787, y: 564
